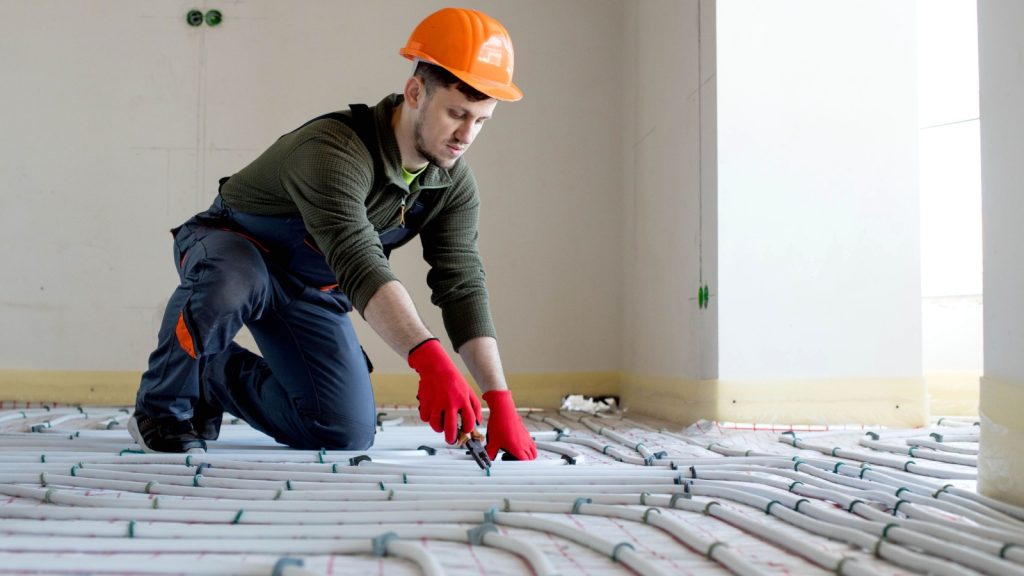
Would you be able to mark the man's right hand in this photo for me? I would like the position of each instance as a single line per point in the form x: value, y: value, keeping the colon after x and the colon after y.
x: 444, y: 394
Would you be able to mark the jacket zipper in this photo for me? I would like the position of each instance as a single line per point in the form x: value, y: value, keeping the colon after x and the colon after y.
x: 401, y: 213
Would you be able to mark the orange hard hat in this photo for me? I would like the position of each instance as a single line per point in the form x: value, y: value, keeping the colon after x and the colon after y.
x: 471, y: 45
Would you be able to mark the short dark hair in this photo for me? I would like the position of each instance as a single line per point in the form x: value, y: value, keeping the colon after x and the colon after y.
x: 434, y: 77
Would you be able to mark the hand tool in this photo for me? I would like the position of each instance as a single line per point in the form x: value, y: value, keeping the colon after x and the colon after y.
x: 474, y: 444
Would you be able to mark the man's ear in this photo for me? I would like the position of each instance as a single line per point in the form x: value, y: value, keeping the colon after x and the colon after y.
x: 415, y: 91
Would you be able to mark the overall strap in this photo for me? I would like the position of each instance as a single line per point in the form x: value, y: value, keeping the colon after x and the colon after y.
x: 361, y: 122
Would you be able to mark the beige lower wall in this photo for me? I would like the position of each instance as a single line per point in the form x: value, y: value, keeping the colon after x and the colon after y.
x: 954, y: 394
x: 891, y: 402
x: 69, y: 387
x: 118, y: 388
x: 673, y: 399
x: 1000, y: 465
x: 544, y: 390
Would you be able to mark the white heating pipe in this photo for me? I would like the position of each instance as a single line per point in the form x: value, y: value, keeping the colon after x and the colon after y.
x: 618, y: 552
x: 914, y: 451
x: 142, y: 564
x: 906, y: 465
x: 375, y: 517
x: 942, y: 446
x: 435, y: 475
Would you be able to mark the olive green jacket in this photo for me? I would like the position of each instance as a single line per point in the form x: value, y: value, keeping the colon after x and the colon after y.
x: 325, y: 173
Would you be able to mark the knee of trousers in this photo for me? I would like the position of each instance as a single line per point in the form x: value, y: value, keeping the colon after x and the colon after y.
x: 340, y: 434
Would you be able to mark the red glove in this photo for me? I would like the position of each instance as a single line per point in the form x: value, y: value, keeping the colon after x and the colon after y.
x: 505, y: 430
x: 444, y: 394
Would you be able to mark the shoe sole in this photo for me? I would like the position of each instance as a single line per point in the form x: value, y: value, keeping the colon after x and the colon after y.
x: 133, y: 430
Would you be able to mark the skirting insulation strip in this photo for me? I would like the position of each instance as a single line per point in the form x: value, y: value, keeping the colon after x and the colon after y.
x: 608, y: 495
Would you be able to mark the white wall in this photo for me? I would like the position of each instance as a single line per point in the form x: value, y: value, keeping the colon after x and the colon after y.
x: 818, y: 233
x: 1002, y: 149
x: 669, y: 201
x: 1001, y: 72
x: 950, y: 187
x: 119, y: 118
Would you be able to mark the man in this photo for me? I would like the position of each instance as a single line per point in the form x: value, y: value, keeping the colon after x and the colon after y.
x: 300, y: 237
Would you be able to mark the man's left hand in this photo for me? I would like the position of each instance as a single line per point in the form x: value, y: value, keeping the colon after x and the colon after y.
x: 505, y: 429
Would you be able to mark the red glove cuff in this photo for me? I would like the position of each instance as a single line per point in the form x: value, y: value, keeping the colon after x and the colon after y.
x: 500, y: 399
x: 428, y: 353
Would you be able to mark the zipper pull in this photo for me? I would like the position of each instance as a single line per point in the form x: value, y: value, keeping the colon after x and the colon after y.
x: 401, y: 216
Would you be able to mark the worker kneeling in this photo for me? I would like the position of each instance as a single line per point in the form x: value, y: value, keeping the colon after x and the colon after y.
x: 300, y: 237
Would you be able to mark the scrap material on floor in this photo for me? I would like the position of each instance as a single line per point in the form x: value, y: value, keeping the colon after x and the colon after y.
x: 609, y: 494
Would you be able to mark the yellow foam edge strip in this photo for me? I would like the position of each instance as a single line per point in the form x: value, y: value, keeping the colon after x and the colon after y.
x: 118, y: 388
x: 899, y: 402
x: 895, y: 402
x: 1000, y: 465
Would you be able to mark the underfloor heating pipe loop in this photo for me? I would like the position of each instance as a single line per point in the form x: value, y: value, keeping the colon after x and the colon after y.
x: 926, y: 516
x: 487, y: 534
x: 674, y: 528
x: 856, y: 478
x: 894, y: 478
x: 875, y: 536
x: 141, y: 564
x: 389, y: 544
x: 624, y: 554
x: 979, y: 513
x: 809, y: 551
x: 878, y: 532
x: 1004, y: 507
x: 963, y: 555
x: 627, y: 559
x: 49, y: 424
x: 904, y: 464
x: 931, y: 528
x: 941, y: 446
x: 893, y: 512
x: 108, y: 537
x: 950, y: 533
x: 713, y: 549
x: 571, y: 457
x: 613, y: 452
x: 559, y: 427
x: 645, y: 453
x: 917, y: 452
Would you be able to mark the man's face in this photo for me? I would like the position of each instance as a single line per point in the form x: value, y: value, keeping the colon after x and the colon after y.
x: 447, y: 124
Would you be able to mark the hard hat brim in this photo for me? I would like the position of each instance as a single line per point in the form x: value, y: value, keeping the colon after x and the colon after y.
x: 504, y: 92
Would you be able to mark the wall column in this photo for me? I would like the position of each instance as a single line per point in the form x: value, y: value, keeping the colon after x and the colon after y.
x: 1001, y: 80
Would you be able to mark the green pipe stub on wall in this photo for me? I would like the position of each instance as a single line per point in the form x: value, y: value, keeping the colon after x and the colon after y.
x: 196, y: 18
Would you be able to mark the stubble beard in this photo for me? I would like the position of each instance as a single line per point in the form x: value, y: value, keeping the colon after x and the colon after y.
x: 421, y: 147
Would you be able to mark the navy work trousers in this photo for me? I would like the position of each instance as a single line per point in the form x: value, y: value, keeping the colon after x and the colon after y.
x: 311, y: 387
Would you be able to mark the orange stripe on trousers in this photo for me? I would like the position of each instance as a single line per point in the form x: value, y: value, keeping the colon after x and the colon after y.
x: 184, y: 337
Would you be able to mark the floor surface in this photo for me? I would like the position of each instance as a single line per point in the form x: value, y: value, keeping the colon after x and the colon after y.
x: 609, y: 494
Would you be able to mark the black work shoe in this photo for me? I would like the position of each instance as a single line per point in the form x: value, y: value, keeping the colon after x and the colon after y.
x: 206, y: 422
x: 164, y: 434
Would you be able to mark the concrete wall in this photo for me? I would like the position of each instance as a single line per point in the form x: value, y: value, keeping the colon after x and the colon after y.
x: 1001, y: 71
x: 119, y: 118
x: 670, y: 343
